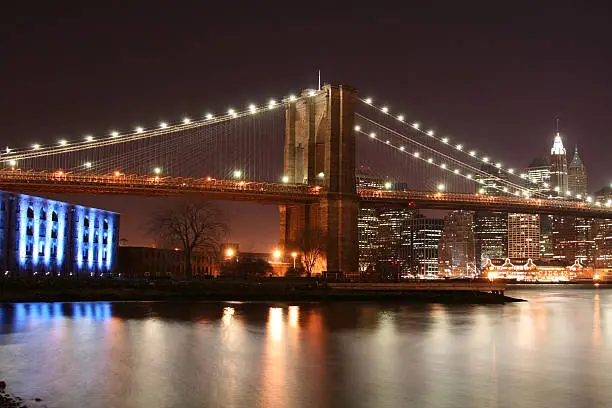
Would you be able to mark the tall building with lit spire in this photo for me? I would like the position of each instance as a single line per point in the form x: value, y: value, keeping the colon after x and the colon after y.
x: 558, y: 168
x: 577, y: 179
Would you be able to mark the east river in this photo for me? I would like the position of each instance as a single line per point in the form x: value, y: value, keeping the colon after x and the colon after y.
x: 553, y: 351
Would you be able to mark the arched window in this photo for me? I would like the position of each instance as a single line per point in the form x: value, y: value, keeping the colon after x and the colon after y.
x: 30, y: 212
x: 54, y: 216
x: 105, y: 224
x: 86, y: 236
x: 43, y: 214
x: 86, y: 222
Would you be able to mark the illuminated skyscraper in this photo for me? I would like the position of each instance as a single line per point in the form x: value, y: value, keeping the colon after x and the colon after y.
x: 491, y: 236
x: 577, y: 179
x: 523, y: 236
x: 424, y: 240
x: 558, y: 168
x: 456, y: 251
x: 538, y: 174
x: 602, y: 231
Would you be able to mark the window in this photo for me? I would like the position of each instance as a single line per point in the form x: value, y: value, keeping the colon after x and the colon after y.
x: 43, y: 214
x: 105, y: 224
x: 105, y: 238
x: 29, y: 245
x: 30, y: 213
x: 41, y: 248
x: 84, y: 252
x: 53, y: 249
x: 30, y: 228
x: 86, y: 222
x: 54, y: 217
x: 42, y: 228
x: 86, y: 236
x: 54, y: 231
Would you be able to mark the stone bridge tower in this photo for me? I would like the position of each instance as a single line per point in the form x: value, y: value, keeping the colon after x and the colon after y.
x: 320, y: 150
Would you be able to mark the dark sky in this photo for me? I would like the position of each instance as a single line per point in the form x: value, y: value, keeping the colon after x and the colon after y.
x: 494, y: 76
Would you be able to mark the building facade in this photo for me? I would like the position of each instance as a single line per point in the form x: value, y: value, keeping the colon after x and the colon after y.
x: 148, y: 262
x: 53, y: 238
x: 577, y: 179
x: 490, y: 235
x: 523, y: 236
x: 558, y: 166
x: 456, y: 251
x: 425, y: 236
x: 538, y: 174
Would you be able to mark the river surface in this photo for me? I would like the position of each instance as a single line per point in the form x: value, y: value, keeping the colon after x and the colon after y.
x: 553, y: 351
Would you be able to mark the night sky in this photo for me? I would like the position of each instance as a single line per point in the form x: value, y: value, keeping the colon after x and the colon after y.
x: 492, y: 76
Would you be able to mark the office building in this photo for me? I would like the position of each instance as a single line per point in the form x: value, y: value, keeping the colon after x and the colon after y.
x: 577, y: 179
x: 53, y: 238
x: 538, y: 174
x: 490, y: 235
x: 558, y: 166
x: 456, y: 251
x: 424, y: 240
x: 523, y: 236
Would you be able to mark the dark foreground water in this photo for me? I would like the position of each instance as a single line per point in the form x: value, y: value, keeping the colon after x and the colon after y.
x: 554, y: 351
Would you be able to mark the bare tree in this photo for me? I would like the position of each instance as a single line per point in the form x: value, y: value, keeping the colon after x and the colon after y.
x: 194, y: 226
x: 311, y: 244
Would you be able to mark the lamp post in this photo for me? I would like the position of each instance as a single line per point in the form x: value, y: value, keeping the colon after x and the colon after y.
x: 294, y: 255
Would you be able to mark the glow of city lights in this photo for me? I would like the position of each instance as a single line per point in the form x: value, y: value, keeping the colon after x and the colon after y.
x: 63, y: 142
x: 89, y: 138
x: 589, y: 199
x: 373, y: 135
x: 285, y: 179
x: 415, y: 125
x: 357, y: 128
x: 114, y: 133
x: 88, y: 165
x: 441, y: 187
x: 511, y: 171
x: 387, y: 185
x: 186, y: 121
x: 139, y: 130
x: 579, y: 196
x: 368, y: 101
x: 498, y: 165
x: 430, y: 132
x: 157, y: 170
x: 117, y: 173
x: 237, y: 173
x: 400, y: 118
x: 163, y: 125
x: 35, y: 146
x: 231, y: 111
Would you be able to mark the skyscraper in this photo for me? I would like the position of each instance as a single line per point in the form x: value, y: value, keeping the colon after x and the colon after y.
x: 577, y: 179
x: 491, y: 235
x: 456, y: 252
x: 523, y: 236
x: 602, y: 232
x: 538, y: 173
x: 424, y: 240
x: 558, y: 168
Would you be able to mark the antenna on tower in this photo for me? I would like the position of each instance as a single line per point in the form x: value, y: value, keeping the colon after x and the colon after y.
x: 319, y: 80
x: 557, y: 124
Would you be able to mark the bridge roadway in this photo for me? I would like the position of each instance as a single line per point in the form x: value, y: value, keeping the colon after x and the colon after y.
x: 33, y: 182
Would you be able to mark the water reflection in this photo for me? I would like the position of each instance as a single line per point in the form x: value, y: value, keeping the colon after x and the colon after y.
x: 555, y: 350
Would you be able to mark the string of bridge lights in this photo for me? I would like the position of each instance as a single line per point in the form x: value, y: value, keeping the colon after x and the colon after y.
x: 457, y: 172
x: 461, y: 147
x: 11, y: 156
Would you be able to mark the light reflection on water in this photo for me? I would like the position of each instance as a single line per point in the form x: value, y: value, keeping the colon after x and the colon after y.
x: 555, y: 350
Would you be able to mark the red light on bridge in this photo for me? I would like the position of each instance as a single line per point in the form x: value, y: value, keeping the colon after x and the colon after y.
x: 412, y: 204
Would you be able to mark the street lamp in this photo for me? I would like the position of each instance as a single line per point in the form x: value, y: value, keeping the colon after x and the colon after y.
x: 229, y: 252
x: 277, y: 254
x: 294, y: 255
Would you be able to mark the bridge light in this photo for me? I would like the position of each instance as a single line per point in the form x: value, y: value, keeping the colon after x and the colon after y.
x: 445, y: 140
x: 89, y: 138
x: 157, y: 170
x: 459, y: 147
x: 209, y: 116
x: 443, y: 165
x: 292, y: 98
x: 545, y: 185
x: 416, y: 154
x: 441, y: 187
x: 430, y: 132
x: 505, y: 189
x: 472, y: 153
x: 13, y: 163
x: 511, y: 171
x: 373, y: 135
x: 456, y: 171
x: 485, y: 159
x: 357, y: 128
x: 589, y: 199
x: 368, y: 101
x: 312, y: 92
x: 231, y: 112
x: 388, y: 185
x: 469, y: 176
x: 498, y: 165
x: 35, y: 146
x: 415, y: 125
x: 579, y: 196
x: 388, y: 142
x: 88, y: 165
x: 430, y: 160
x: 114, y: 133
x: 139, y: 130
x: 163, y: 125
x: 252, y: 109
x: 237, y: 174
x: 385, y: 109
x: 400, y: 118
x: 285, y: 179
x: 402, y: 148
x: 272, y: 104
x: 63, y: 142
x: 482, y: 191
x: 186, y: 121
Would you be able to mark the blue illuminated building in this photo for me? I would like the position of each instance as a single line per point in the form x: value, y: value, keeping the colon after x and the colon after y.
x: 48, y: 237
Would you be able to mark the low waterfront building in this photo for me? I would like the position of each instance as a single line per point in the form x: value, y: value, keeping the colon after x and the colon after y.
x: 142, y: 262
x: 528, y: 270
x: 39, y: 236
